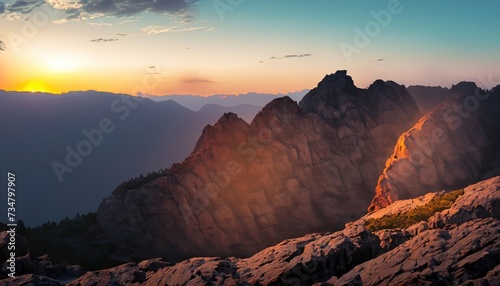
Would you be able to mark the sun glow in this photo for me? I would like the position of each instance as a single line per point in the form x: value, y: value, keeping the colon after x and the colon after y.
x: 35, y: 86
x: 62, y: 63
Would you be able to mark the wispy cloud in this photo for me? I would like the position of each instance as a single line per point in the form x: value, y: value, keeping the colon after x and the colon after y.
x: 154, y: 70
x: 380, y: 60
x: 197, y: 80
x: 100, y: 24
x: 121, y: 35
x: 2, y: 45
x: 291, y: 56
x: 151, y: 30
x: 99, y: 40
x: 129, y: 21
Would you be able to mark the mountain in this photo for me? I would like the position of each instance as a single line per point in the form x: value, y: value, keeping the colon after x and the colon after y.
x: 455, y: 241
x: 246, y: 111
x: 196, y: 102
x: 144, y: 136
x: 428, y: 97
x: 292, y: 170
x: 456, y: 144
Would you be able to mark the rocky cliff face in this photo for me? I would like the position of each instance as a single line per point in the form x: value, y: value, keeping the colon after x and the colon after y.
x: 455, y: 145
x: 293, y: 170
x: 457, y: 246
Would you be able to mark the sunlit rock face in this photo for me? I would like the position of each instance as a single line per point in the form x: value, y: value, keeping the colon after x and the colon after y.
x: 455, y: 145
x: 294, y: 170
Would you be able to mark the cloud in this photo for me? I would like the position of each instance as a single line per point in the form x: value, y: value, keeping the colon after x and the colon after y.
x: 2, y: 46
x: 64, y: 5
x: 154, y: 70
x: 99, y: 40
x: 291, y: 56
x: 123, y: 8
x: 128, y: 21
x: 197, y: 81
x: 151, y: 30
x: 100, y: 24
x: 121, y: 35
x: 380, y: 60
x: 13, y: 16
x: 21, y: 6
x: 90, y: 9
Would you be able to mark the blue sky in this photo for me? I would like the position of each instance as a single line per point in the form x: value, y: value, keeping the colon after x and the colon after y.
x: 261, y: 46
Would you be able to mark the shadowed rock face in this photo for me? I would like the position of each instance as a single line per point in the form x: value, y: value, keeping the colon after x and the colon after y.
x: 453, y: 146
x: 292, y: 171
x: 457, y: 246
x: 428, y: 97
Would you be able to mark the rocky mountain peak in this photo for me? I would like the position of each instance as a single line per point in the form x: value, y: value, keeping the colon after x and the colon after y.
x: 381, y: 85
x: 340, y: 79
x: 464, y: 87
x: 293, y: 170
x: 283, y: 105
x: 228, y: 117
x: 211, y: 136
x: 332, y: 91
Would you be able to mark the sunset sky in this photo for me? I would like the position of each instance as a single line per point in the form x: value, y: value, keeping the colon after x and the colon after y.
x: 237, y: 46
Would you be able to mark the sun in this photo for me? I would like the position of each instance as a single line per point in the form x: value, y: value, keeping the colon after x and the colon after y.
x: 35, y: 86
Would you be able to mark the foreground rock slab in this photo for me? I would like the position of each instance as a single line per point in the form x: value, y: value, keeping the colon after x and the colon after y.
x: 456, y: 246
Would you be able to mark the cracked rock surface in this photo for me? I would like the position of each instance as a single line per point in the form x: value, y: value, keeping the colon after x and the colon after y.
x: 458, y: 246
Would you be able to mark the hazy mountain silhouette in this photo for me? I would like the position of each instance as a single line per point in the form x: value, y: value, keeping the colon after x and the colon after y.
x: 37, y: 128
x: 195, y: 102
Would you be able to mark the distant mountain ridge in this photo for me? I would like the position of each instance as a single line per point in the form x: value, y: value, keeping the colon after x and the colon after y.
x: 196, y: 102
x: 39, y: 127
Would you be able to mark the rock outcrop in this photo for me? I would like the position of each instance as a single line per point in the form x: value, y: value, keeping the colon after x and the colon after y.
x: 293, y: 170
x: 455, y: 145
x: 457, y: 246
